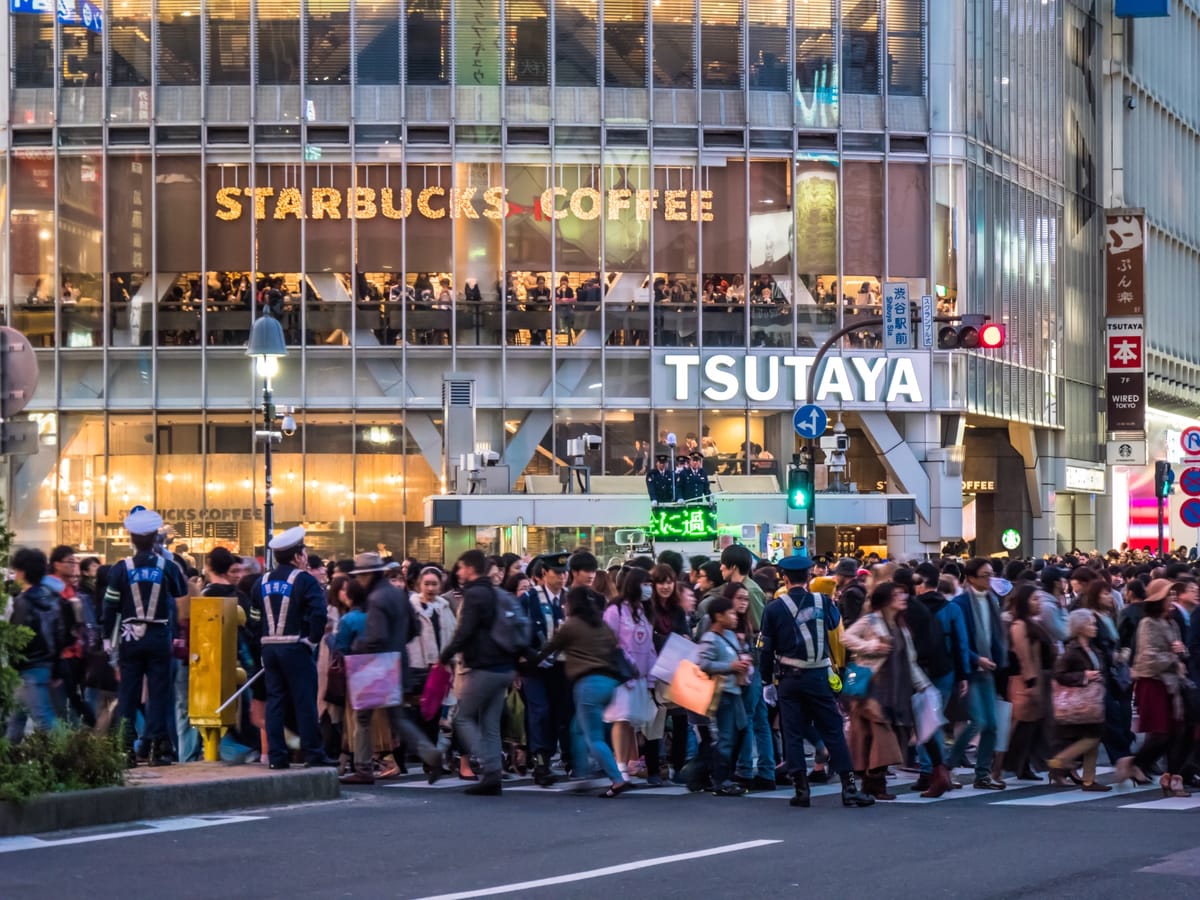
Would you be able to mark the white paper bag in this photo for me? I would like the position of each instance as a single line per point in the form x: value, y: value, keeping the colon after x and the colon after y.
x: 674, y: 651
x: 927, y: 713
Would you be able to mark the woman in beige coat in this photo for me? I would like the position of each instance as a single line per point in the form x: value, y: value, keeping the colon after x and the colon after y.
x: 882, y: 722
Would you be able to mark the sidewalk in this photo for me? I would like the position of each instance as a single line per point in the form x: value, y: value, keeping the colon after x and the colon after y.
x: 179, y: 790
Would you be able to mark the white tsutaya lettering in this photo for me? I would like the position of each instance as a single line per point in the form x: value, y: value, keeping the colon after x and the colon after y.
x: 753, y: 391
x: 869, y: 371
x: 835, y: 381
x: 904, y: 382
x: 718, y: 370
x: 681, y: 364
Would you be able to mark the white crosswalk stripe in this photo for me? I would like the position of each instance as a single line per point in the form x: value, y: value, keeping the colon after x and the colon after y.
x: 1065, y: 798
x: 1168, y: 804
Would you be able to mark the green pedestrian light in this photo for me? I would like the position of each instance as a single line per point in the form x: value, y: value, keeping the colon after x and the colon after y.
x: 799, y: 489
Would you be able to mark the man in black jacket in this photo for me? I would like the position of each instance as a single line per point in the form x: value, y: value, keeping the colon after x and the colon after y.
x: 390, y: 626
x: 38, y: 609
x: 491, y: 669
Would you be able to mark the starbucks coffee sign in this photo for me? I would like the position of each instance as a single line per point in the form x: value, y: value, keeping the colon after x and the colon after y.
x: 846, y: 381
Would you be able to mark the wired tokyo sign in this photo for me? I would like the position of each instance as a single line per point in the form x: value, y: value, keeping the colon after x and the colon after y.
x: 896, y: 380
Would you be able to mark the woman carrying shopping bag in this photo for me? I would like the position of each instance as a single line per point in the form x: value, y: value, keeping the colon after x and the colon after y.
x: 882, y: 720
x: 1080, y: 674
x: 633, y: 708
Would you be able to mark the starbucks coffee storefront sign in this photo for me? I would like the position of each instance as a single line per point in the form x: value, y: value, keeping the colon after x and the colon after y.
x: 846, y: 381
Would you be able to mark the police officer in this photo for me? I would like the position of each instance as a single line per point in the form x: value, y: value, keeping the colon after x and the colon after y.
x: 292, y: 608
x: 659, y: 484
x: 549, y: 707
x: 795, y: 650
x: 698, y: 485
x: 139, y: 613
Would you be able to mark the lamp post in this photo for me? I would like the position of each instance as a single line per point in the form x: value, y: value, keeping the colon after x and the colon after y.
x: 267, y: 346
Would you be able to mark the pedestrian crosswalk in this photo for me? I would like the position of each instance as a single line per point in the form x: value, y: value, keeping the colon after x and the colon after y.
x: 1031, y: 794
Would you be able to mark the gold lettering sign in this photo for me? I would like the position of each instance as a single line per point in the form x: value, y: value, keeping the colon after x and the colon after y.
x: 434, y: 202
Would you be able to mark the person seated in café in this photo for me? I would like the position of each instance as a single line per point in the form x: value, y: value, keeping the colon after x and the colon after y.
x: 423, y: 287
x: 563, y: 293
x: 539, y: 293
x: 737, y: 289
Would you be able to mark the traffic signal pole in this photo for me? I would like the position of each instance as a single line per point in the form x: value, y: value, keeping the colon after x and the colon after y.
x: 810, y: 397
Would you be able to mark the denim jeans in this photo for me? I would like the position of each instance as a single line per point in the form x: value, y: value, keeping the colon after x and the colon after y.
x: 757, y: 758
x: 34, y: 701
x: 981, y: 701
x: 477, y: 722
x: 593, y: 693
x: 188, y: 749
x: 732, y: 735
x: 945, y: 686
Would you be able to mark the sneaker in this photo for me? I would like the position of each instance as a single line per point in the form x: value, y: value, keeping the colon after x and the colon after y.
x: 489, y: 786
x: 732, y: 789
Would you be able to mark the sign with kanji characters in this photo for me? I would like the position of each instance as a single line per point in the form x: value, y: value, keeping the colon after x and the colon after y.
x: 1125, y: 263
x: 477, y: 44
x: 897, y: 323
x: 684, y: 523
x: 1126, y: 343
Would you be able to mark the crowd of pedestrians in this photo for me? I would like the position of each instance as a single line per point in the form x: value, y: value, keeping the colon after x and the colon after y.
x: 817, y: 670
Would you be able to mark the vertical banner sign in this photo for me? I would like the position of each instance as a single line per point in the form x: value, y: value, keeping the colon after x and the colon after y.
x: 477, y: 43
x: 1125, y: 307
x: 926, y: 321
x: 897, y: 324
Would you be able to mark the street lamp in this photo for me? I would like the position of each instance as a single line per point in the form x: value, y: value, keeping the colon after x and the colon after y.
x: 266, y: 347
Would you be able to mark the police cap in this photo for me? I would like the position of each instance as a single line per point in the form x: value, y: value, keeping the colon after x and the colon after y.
x: 796, y: 565
x: 556, y: 561
x: 662, y: 457
x: 143, y: 521
x: 286, y: 540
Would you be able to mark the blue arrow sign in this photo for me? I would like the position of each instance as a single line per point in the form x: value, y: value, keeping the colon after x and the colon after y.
x: 810, y: 421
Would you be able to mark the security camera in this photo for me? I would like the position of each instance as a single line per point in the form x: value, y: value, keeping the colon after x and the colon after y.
x: 491, y: 458
x: 1131, y: 101
x: 592, y: 441
x: 288, y: 425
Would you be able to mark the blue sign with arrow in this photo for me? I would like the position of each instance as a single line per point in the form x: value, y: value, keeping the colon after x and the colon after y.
x: 810, y: 421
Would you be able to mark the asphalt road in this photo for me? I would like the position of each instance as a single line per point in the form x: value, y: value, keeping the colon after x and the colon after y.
x: 406, y: 842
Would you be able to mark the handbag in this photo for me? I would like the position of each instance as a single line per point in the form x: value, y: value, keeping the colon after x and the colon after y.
x: 692, y: 689
x: 437, y: 687
x: 631, y: 703
x: 1079, y: 705
x: 856, y: 681
x: 373, y: 680
x: 927, y: 713
x: 619, y: 666
x: 335, y: 679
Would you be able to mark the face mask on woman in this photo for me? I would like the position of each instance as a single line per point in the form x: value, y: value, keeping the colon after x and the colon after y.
x: 647, y: 591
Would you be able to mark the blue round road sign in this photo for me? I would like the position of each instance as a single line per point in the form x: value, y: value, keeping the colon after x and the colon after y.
x: 810, y: 421
x: 1189, y: 482
x: 1189, y: 513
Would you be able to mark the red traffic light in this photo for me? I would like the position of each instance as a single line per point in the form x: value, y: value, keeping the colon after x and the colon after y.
x: 991, y: 336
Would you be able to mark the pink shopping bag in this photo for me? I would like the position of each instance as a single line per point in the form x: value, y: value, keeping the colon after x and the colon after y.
x: 437, y: 686
x: 373, y: 680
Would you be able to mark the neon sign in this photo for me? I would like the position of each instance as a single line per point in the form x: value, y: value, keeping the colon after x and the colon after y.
x: 684, y: 523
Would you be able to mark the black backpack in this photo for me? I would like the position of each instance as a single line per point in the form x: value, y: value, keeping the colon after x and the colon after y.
x: 941, y: 652
x: 49, y: 624
x: 512, y: 629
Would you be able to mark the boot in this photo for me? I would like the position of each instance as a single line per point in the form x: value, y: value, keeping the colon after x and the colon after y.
x: 875, y: 784
x: 488, y: 786
x: 803, y: 797
x: 939, y: 782
x: 359, y: 775
x: 922, y: 783
x: 541, y: 771
x: 851, y: 795
x: 161, y: 753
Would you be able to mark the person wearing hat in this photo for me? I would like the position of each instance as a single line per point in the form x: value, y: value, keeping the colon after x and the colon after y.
x: 698, y: 487
x: 850, y: 596
x: 660, y: 484
x: 794, y: 650
x: 140, y: 604
x: 390, y: 626
x: 549, y: 706
x: 293, y: 616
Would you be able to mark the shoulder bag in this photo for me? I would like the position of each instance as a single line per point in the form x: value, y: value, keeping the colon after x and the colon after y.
x: 1083, y: 705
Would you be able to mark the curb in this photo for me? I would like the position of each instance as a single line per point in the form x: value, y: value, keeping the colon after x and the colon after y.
x: 105, y: 806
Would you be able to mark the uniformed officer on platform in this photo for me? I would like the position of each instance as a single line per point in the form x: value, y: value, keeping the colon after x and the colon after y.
x: 698, y: 486
x: 794, y: 650
x: 659, y: 483
x: 292, y: 606
x: 139, y: 614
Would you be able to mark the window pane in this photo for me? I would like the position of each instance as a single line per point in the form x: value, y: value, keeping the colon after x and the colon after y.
x: 721, y: 43
x: 675, y: 43
x: 576, y: 37
x: 527, y: 43
x: 428, y: 40
x: 328, y: 60
x: 377, y: 36
x: 129, y: 43
x: 32, y: 236
x: 229, y: 43
x: 816, y: 67
x: 278, y: 41
x: 179, y: 59
x: 33, y: 51
x: 905, y: 47
x: 768, y: 48
x: 860, y: 47
x: 625, y: 43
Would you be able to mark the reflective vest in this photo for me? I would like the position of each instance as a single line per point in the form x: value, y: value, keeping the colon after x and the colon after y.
x: 274, y: 633
x: 146, y: 613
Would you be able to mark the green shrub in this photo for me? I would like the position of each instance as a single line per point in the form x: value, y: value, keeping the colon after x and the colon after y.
x: 63, y: 759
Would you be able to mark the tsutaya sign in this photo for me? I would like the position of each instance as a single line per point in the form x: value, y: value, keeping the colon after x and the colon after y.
x: 436, y: 202
x: 894, y: 380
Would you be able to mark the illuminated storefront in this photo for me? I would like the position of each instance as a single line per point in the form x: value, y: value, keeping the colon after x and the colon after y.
x: 596, y: 210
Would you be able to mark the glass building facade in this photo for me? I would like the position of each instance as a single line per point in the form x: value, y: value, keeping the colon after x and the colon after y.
x: 547, y: 197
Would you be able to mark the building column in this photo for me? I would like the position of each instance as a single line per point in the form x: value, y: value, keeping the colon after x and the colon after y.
x: 1037, y: 449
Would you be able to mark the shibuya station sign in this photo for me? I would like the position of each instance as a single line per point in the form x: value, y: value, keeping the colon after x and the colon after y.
x: 892, y: 380
x: 437, y: 202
